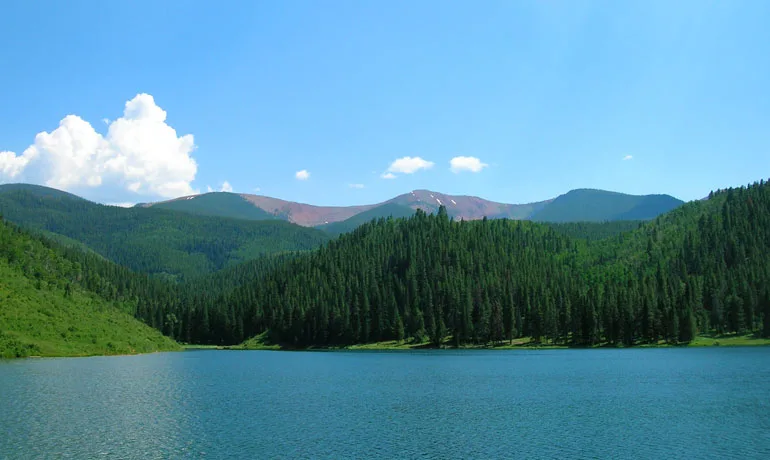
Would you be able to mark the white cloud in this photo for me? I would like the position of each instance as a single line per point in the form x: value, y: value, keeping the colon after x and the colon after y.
x: 11, y: 165
x: 302, y: 175
x: 225, y: 187
x: 409, y: 165
x: 356, y: 185
x: 472, y: 164
x: 628, y: 157
x: 388, y: 175
x: 257, y: 189
x: 140, y: 154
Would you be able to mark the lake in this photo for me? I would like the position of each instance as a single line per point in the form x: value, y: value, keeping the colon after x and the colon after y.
x: 634, y: 403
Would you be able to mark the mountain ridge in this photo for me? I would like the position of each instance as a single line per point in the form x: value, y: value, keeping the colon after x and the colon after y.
x: 597, y: 206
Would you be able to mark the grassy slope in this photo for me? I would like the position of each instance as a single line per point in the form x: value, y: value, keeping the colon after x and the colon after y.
x: 43, y: 322
x: 219, y: 204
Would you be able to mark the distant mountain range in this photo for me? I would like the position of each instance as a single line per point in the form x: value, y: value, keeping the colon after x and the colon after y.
x: 582, y: 205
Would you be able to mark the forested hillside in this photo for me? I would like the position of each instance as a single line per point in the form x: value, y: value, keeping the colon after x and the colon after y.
x: 46, y: 310
x: 700, y: 268
x: 219, y: 204
x: 155, y: 241
x: 595, y: 230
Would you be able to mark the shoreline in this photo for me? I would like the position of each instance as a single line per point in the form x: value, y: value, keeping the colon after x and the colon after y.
x: 747, y: 340
x: 257, y: 345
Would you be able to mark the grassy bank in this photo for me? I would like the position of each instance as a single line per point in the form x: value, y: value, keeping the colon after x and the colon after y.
x: 261, y: 343
x: 729, y: 341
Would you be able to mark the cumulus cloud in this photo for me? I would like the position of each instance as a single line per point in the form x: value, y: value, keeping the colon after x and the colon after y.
x: 302, y: 175
x: 257, y: 189
x: 11, y: 165
x: 409, y: 165
x: 628, y: 157
x: 356, y: 185
x: 225, y: 187
x: 140, y: 154
x: 388, y: 175
x: 460, y: 164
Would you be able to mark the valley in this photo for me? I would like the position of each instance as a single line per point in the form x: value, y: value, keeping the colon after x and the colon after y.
x: 403, y: 276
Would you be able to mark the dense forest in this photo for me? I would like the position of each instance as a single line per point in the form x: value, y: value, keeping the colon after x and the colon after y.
x: 156, y: 241
x: 430, y: 279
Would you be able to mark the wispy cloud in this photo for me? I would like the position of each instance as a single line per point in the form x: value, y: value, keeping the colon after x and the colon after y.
x: 628, y: 157
x: 356, y: 185
x: 388, y: 175
x: 471, y: 164
x: 302, y: 175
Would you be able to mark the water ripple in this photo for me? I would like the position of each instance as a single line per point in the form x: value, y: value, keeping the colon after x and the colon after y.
x: 427, y: 405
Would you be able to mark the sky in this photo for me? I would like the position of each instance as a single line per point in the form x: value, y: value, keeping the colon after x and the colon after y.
x: 355, y: 101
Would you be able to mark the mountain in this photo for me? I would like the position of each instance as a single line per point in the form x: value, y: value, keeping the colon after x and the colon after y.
x: 466, y: 207
x: 39, y: 190
x: 150, y: 240
x: 303, y: 214
x: 598, y: 205
x: 577, y: 205
x: 218, y: 204
x: 45, y: 312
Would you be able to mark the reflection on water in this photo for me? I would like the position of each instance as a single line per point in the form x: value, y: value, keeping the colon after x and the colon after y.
x: 672, y: 403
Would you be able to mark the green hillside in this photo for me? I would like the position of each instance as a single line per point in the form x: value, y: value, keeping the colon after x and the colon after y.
x: 44, y: 312
x: 38, y: 190
x: 156, y: 241
x: 700, y: 269
x: 220, y: 204
x: 348, y: 225
x: 600, y: 206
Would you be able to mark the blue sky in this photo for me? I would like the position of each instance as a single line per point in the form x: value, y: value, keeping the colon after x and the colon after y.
x: 549, y: 95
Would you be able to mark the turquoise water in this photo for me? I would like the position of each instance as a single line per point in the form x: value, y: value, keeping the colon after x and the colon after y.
x: 653, y: 403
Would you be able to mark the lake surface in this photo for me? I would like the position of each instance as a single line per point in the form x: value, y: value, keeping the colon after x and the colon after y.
x: 651, y: 403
